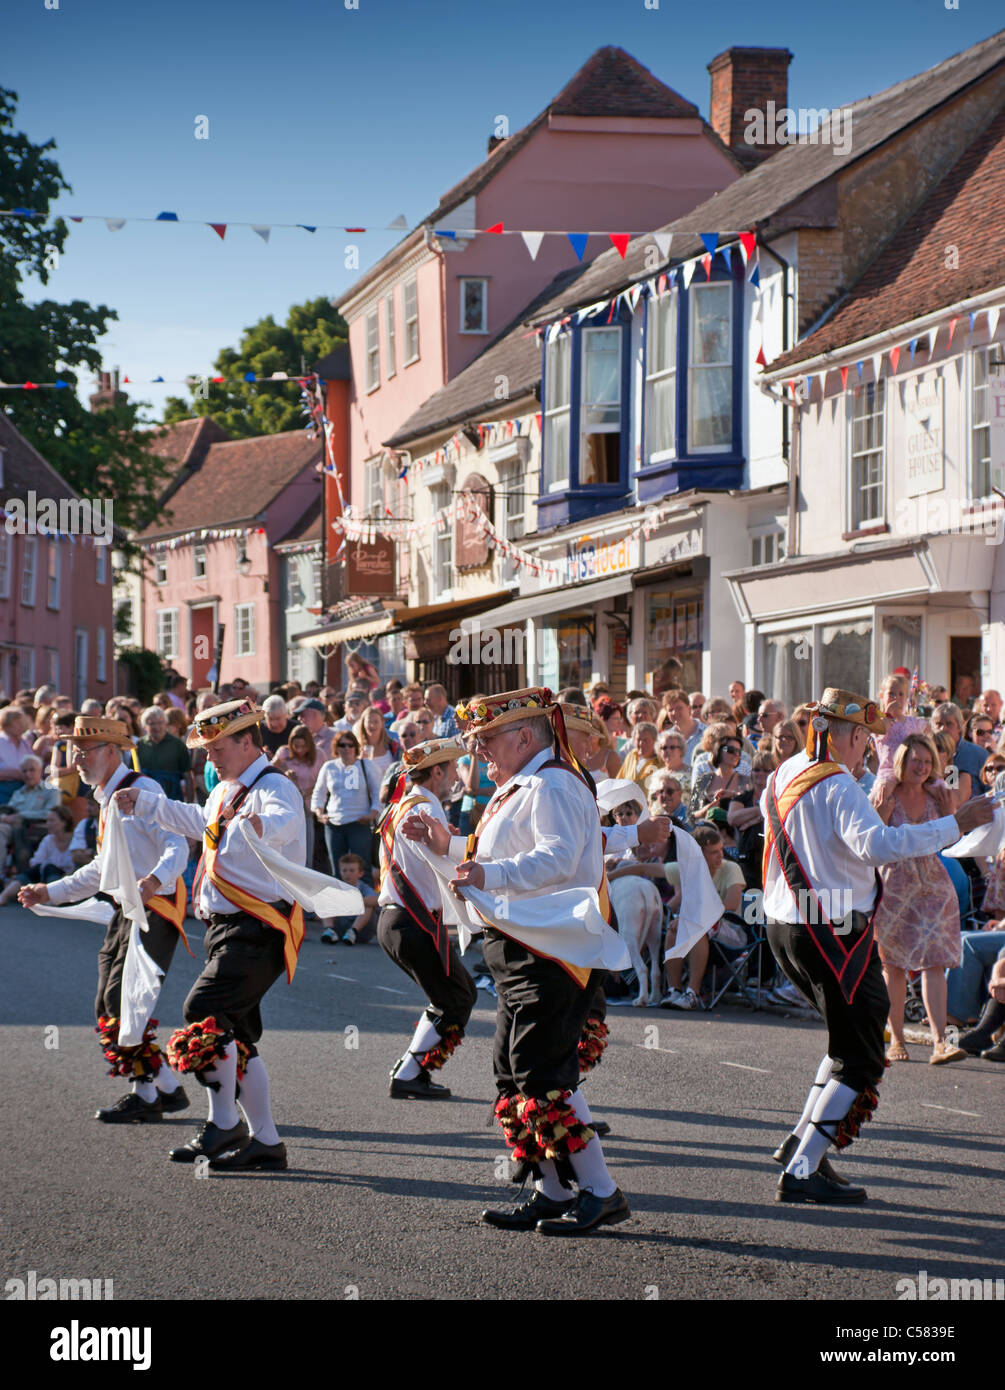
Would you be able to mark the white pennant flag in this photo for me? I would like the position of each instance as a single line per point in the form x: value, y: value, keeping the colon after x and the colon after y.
x: 993, y: 317
x: 877, y: 365
x: 663, y: 240
x: 399, y: 224
x: 687, y: 272
x: 115, y: 224
x: 634, y: 294
x: 263, y: 232
x: 532, y: 241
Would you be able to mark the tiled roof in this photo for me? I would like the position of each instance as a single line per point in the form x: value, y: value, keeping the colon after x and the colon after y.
x: 308, y: 528
x: 910, y: 278
x: 236, y: 482
x: 611, y: 83
x: 185, y: 440
x: 770, y: 190
x: 25, y: 470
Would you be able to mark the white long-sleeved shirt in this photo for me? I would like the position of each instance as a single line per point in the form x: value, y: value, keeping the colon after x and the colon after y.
x: 840, y: 838
x: 345, y: 792
x: 275, y: 800
x: 152, y: 852
x: 408, y: 858
x: 544, y: 837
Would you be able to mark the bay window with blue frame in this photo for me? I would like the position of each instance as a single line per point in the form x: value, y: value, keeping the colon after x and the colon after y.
x: 585, y: 461
x: 692, y: 419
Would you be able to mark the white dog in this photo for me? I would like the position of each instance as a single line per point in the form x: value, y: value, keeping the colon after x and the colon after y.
x: 639, y: 907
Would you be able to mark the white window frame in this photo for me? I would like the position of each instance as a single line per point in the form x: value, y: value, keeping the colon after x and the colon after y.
x: 856, y: 460
x: 767, y: 544
x: 52, y: 585
x: 199, y: 560
x: 694, y: 369
x: 372, y: 328
x: 979, y: 418
x: 6, y: 556
x: 160, y: 569
x: 463, y: 281
x: 588, y: 336
x: 101, y: 564
x: 28, y: 569
x: 101, y: 655
x: 665, y: 307
x: 373, y: 473
x: 443, y: 546
x: 166, y: 626
x: 410, y: 305
x: 392, y: 355
x: 244, y: 641
x: 561, y: 345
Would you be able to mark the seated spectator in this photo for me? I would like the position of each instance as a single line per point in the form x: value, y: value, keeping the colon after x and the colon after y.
x: 683, y: 722
x: 744, y: 816
x: 980, y: 731
x: 967, y: 983
x: 164, y: 758
x: 641, y: 760
x: 770, y: 713
x: 980, y: 1041
x: 698, y: 703
x: 51, y: 860
x: 22, y: 824
x: 359, y: 929
x: 716, y: 787
x: 750, y: 724
x: 666, y: 798
x: 785, y: 741
x: 670, y: 747
x: 277, y: 725
x: 612, y: 717
x: 84, y: 845
x: 14, y: 747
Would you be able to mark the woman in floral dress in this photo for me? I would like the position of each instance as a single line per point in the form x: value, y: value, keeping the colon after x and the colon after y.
x: 918, y: 919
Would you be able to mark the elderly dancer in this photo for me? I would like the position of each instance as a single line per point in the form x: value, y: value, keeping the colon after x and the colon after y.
x: 159, y: 860
x: 411, y: 928
x: 251, y: 932
x: 532, y: 871
x: 823, y: 840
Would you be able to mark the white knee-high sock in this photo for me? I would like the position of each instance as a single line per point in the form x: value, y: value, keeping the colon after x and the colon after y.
x: 819, y: 1082
x: 256, y: 1104
x: 548, y: 1183
x: 588, y: 1164
x: 146, y: 1090
x: 833, y: 1104
x: 223, y: 1102
x: 426, y: 1036
x: 166, y: 1080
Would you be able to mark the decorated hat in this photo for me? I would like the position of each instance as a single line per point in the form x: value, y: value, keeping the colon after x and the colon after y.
x: 584, y: 721
x: 853, y: 709
x: 433, y: 751
x: 223, y: 720
x: 90, y: 728
x: 495, y: 711
x: 615, y: 791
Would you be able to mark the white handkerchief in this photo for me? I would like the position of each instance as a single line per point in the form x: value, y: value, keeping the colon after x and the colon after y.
x: 986, y: 840
x: 89, y: 910
x: 700, y: 906
x: 328, y: 897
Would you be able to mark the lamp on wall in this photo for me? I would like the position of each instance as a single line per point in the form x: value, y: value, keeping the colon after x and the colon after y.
x: 243, y: 563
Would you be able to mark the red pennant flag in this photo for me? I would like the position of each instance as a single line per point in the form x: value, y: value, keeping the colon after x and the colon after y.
x: 497, y: 228
x: 620, y: 241
x: 661, y: 284
x: 952, y: 330
x: 706, y: 261
x: 126, y: 381
x: 216, y: 378
x: 844, y: 377
x: 220, y: 228
x: 30, y: 385
x: 748, y: 241
x: 76, y: 219
x: 760, y: 359
x: 894, y: 357
x: 538, y: 419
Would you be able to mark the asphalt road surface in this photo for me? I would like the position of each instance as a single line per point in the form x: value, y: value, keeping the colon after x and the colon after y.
x: 382, y: 1198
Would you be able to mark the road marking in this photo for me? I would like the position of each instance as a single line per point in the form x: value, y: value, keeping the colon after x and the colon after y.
x: 342, y: 977
x: 740, y: 1067
x: 388, y: 990
x: 670, y: 1050
x: 949, y: 1111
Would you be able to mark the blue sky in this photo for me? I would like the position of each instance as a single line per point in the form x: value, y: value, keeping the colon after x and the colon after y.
x: 321, y: 114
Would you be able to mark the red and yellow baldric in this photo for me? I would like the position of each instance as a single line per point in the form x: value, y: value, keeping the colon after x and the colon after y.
x: 429, y: 919
x: 292, y: 927
x: 848, y: 964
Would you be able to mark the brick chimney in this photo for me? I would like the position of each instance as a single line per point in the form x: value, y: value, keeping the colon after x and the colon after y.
x: 108, y: 392
x: 743, y: 80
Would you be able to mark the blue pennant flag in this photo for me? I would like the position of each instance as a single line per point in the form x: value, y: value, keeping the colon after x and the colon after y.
x: 451, y: 235
x: 22, y: 212
x: 578, y: 240
x: 710, y: 240
x: 306, y: 228
x: 726, y: 253
x: 973, y: 315
x: 858, y: 368
x: 755, y: 275
x: 156, y: 378
x: 912, y: 347
x: 250, y: 376
x: 61, y: 384
x: 166, y: 217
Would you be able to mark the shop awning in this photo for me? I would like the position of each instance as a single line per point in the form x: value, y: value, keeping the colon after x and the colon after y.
x: 355, y: 629
x: 569, y: 598
x: 431, y: 613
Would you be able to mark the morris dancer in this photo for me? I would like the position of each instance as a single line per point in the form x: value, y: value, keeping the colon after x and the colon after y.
x: 823, y: 840
x: 532, y: 871
x: 159, y: 860
x: 251, y: 933
x: 411, y: 928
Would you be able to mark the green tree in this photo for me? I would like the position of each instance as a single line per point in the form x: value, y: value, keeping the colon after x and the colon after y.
x: 246, y: 408
x: 102, y: 454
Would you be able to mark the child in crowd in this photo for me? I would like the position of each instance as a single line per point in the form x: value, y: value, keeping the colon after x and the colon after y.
x: 351, y: 869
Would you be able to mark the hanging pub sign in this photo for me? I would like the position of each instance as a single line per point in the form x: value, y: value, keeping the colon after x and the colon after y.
x: 471, y: 543
x: 370, y: 568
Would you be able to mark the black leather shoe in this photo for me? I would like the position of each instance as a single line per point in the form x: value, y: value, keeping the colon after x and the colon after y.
x: 974, y: 1041
x: 173, y: 1101
x: 419, y: 1088
x: 783, y: 1155
x: 253, y: 1155
x: 600, y: 1128
x: 817, y: 1188
x: 131, y: 1110
x: 586, y: 1213
x: 996, y: 1053
x: 526, y: 1216
x: 210, y: 1141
